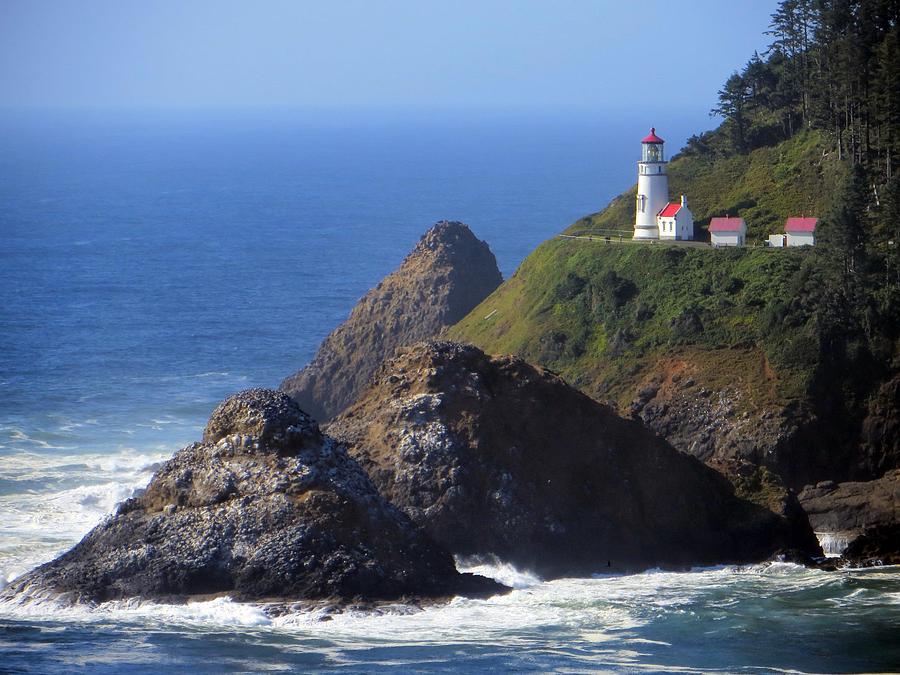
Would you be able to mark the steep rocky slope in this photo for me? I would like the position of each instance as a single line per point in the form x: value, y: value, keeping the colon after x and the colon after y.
x: 494, y: 456
x: 266, y: 507
x: 719, y: 351
x: 447, y: 274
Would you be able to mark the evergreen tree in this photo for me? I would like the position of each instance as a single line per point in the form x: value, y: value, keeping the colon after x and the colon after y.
x: 832, y: 65
x: 890, y: 237
x: 733, y: 98
x: 886, y: 93
x: 843, y: 234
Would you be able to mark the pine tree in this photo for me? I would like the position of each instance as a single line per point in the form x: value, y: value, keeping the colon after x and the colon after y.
x: 890, y: 233
x: 886, y: 94
x: 843, y: 234
x: 733, y: 99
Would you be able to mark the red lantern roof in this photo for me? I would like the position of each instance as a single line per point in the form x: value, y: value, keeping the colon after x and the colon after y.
x: 652, y: 137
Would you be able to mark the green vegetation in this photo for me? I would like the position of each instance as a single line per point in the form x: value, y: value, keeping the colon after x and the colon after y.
x: 760, y: 486
x: 604, y: 315
x: 818, y: 325
x: 811, y: 129
x: 832, y: 66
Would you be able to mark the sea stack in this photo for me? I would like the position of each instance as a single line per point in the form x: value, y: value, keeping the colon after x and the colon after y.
x: 447, y: 274
x: 265, y: 508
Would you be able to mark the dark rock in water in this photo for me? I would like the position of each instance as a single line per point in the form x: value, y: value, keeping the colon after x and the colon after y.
x: 266, y: 507
x: 765, y: 488
x: 494, y: 456
x: 447, y: 274
x: 877, y: 545
x: 848, y: 509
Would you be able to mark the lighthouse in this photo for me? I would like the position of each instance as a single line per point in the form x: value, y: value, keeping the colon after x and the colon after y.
x: 652, y: 189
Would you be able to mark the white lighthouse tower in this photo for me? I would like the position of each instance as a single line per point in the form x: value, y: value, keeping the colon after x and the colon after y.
x: 653, y: 187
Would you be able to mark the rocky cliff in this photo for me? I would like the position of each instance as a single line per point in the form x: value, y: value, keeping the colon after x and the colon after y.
x: 495, y: 456
x: 725, y: 353
x: 266, y: 507
x: 447, y: 274
x: 846, y: 510
x: 877, y: 545
x: 786, y: 359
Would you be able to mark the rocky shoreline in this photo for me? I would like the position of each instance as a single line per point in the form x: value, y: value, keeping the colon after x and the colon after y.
x: 266, y: 508
x: 441, y: 450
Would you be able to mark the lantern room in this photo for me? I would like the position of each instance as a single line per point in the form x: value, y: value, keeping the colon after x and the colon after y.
x: 652, y: 148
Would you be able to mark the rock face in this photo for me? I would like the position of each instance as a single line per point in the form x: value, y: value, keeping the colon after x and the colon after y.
x: 848, y: 509
x: 494, y: 456
x: 804, y: 441
x: 881, y: 428
x: 447, y: 274
x: 763, y: 487
x: 877, y: 545
x: 711, y: 421
x: 266, y: 507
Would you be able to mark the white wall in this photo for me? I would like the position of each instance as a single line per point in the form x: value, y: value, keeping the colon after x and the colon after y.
x: 668, y: 228
x: 776, y: 240
x: 685, y: 224
x: 680, y: 226
x: 801, y: 239
x: 727, y: 238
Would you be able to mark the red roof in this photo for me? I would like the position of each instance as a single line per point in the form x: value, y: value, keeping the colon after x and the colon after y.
x: 726, y: 225
x: 801, y: 225
x: 670, y: 209
x: 652, y: 137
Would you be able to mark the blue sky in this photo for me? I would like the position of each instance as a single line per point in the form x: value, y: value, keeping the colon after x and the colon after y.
x: 656, y: 55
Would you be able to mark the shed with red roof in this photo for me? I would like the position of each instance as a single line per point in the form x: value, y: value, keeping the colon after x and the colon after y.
x: 727, y: 231
x: 801, y: 231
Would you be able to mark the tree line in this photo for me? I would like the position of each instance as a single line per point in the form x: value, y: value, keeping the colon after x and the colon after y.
x: 834, y: 66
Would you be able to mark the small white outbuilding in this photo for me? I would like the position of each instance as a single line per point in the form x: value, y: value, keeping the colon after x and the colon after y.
x: 801, y: 231
x: 676, y: 221
x: 727, y: 231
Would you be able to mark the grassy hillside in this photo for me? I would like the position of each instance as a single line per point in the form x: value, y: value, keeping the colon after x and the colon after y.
x: 784, y: 358
x: 797, y: 177
x: 604, y: 315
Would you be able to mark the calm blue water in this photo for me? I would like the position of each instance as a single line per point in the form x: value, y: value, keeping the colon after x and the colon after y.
x: 151, y: 264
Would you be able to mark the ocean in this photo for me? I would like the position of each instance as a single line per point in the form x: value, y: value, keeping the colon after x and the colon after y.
x: 153, y: 262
